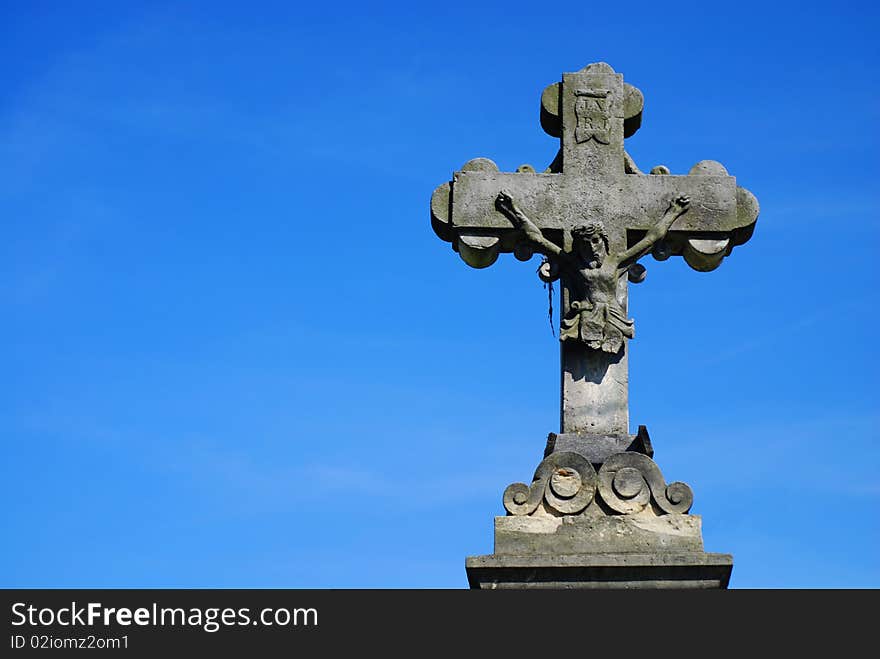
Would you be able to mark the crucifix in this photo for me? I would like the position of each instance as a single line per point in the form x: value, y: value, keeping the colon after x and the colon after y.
x: 598, y: 512
x: 593, y: 183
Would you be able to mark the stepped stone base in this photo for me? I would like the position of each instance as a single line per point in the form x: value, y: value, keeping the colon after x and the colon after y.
x: 594, y: 550
x: 682, y: 570
x: 599, y: 514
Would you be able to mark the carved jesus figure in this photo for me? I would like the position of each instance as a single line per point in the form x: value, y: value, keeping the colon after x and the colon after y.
x: 595, y: 316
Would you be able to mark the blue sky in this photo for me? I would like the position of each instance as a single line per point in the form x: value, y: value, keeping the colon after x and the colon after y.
x: 236, y: 355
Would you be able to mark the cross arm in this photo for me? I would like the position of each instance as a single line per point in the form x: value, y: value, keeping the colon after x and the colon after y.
x: 721, y: 215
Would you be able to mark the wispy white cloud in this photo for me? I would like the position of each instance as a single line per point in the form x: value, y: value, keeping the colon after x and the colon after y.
x: 781, y: 332
x: 337, y: 483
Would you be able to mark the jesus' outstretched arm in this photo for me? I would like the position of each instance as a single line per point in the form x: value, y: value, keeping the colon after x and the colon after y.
x: 505, y: 204
x: 677, y: 207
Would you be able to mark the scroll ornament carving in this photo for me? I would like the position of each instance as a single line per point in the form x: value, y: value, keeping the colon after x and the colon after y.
x: 626, y: 483
x: 565, y: 480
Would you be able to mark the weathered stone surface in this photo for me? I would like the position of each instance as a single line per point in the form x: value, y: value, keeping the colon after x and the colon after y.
x: 603, y: 534
x: 678, y: 570
x: 595, y: 391
x: 626, y: 483
x: 630, y: 482
x: 564, y: 483
x: 630, y: 202
x: 599, y: 447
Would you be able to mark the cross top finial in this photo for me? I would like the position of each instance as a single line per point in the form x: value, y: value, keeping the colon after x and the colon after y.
x: 598, y: 67
x: 595, y: 94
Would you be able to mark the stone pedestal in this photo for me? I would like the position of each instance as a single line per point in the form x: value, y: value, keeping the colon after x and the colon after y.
x: 599, y: 514
x: 595, y: 550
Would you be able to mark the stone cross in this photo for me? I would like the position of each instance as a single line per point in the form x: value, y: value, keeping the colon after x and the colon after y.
x: 592, y: 183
